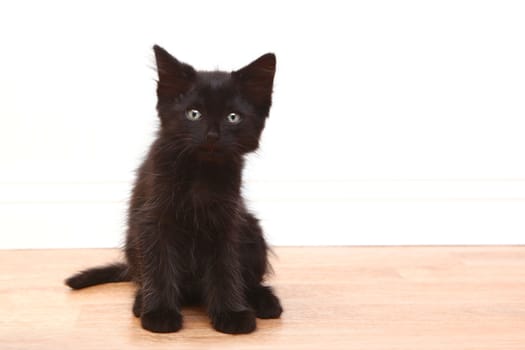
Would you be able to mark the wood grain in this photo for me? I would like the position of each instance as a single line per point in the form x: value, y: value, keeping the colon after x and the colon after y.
x: 334, y: 298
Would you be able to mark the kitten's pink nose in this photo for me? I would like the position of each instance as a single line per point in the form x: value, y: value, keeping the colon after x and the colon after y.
x: 212, y: 136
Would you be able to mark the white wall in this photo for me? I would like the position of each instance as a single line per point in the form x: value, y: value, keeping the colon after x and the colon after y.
x: 394, y: 122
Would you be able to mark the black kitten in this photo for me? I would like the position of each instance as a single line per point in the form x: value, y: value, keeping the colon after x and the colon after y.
x: 190, y: 238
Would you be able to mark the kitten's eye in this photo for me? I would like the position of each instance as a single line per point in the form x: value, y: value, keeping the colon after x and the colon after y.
x: 193, y: 114
x: 234, y: 118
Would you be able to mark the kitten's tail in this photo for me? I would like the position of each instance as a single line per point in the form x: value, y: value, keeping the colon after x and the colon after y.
x: 118, y: 272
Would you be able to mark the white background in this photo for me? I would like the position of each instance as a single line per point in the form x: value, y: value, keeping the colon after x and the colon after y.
x: 394, y: 122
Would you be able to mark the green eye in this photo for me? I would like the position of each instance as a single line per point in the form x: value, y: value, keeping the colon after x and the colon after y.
x: 234, y: 118
x: 193, y: 114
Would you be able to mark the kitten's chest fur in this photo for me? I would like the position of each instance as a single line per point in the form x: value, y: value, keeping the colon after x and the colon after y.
x: 199, y: 200
x: 203, y: 211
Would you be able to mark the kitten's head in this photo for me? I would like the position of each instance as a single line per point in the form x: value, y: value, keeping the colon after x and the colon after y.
x: 213, y: 114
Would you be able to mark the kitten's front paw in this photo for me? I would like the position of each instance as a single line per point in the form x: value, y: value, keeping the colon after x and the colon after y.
x: 161, y: 321
x: 234, y: 322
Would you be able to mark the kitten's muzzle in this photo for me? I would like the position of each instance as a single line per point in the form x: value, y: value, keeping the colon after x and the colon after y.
x: 212, y: 137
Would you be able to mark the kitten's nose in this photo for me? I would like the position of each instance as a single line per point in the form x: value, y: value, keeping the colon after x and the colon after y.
x: 212, y: 136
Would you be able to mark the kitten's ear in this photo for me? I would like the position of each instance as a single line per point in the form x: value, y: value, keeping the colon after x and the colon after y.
x: 175, y: 77
x: 256, y: 81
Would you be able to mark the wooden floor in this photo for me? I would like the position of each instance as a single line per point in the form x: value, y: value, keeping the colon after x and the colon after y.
x: 334, y: 298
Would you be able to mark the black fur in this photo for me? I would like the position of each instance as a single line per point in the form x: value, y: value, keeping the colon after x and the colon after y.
x: 111, y: 273
x: 190, y: 238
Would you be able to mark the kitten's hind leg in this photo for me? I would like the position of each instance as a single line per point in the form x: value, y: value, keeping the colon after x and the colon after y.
x: 264, y: 302
x: 255, y: 266
x: 137, y: 304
